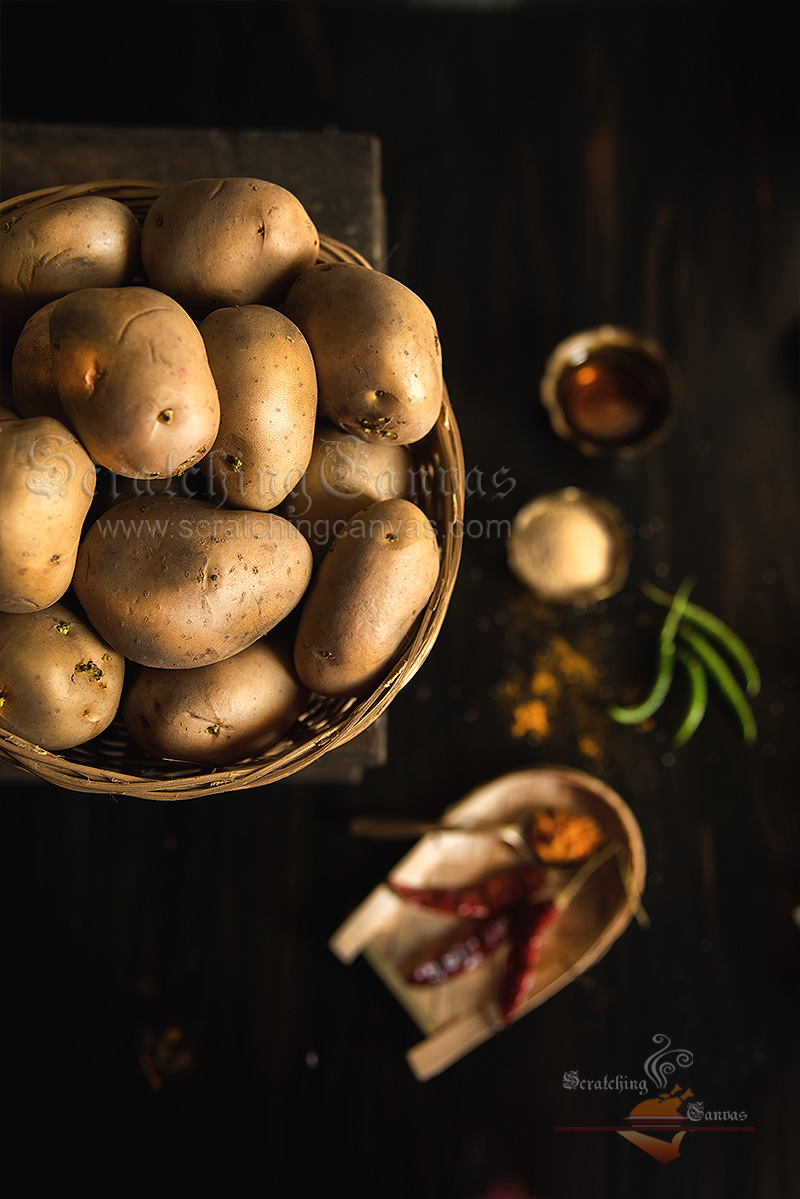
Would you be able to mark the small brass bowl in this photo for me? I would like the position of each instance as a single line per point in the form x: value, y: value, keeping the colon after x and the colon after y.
x: 569, y: 547
x: 610, y: 392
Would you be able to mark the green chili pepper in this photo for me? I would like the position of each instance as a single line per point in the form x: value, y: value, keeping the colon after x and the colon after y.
x: 721, y: 674
x: 698, y: 696
x: 656, y: 696
x: 708, y: 623
x: 666, y: 663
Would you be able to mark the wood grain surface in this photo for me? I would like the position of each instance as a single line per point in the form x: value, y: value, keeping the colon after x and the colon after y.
x: 546, y: 168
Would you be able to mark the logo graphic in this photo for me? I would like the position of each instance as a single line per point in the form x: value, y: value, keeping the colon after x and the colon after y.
x: 658, y: 1123
x: 345, y: 471
x: 52, y: 465
x: 662, y: 1113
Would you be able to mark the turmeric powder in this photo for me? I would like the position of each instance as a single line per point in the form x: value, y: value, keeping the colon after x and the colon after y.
x: 562, y: 675
x: 551, y: 686
x: 590, y: 747
x: 530, y: 719
x: 558, y: 835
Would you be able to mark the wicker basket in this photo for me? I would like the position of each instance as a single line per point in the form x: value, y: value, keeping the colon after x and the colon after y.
x: 112, y: 763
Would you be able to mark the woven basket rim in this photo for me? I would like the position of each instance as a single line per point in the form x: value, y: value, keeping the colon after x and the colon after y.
x: 153, y: 779
x: 132, y: 188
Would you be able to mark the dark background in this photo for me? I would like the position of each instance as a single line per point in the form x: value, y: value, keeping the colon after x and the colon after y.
x: 546, y: 167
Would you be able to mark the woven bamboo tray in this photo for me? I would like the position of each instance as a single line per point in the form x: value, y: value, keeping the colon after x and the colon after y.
x: 112, y: 764
x: 461, y: 1013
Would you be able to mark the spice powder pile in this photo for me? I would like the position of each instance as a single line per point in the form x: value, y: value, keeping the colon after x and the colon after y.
x: 551, y: 684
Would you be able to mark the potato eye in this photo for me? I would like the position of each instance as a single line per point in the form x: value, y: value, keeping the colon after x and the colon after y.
x: 89, y: 669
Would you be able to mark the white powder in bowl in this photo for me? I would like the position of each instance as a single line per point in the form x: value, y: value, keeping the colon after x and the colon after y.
x: 563, y: 547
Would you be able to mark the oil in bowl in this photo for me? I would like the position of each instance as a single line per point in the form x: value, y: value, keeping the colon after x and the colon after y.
x: 611, y: 392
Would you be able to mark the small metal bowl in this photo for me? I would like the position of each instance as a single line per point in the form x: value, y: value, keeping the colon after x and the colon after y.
x: 568, y: 547
x: 610, y: 392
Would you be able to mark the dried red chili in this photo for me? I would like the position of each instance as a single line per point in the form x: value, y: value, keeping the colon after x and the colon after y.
x: 463, y: 953
x: 527, y: 923
x: 494, y: 894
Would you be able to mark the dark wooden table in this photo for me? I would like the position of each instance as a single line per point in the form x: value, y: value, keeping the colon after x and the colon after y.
x: 546, y: 169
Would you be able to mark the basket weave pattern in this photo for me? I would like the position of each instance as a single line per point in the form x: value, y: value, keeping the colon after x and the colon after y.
x: 112, y: 763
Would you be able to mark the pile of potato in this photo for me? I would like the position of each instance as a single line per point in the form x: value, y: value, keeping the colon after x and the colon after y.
x: 206, y: 490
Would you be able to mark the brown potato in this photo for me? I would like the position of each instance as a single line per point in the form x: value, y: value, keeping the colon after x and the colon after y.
x: 174, y: 582
x: 375, y: 344
x: 344, y: 475
x: 215, y: 243
x: 369, y: 590
x: 60, y: 684
x: 216, y: 714
x: 132, y: 373
x: 8, y: 409
x: 88, y: 241
x: 267, y: 388
x: 47, y: 482
x: 32, y: 380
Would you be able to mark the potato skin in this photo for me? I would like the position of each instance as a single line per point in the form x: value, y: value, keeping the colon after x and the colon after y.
x: 344, y: 475
x: 132, y: 373
x: 47, y: 481
x: 370, y: 588
x: 8, y: 409
x: 267, y: 386
x: 216, y: 714
x: 175, y: 582
x: 60, y: 683
x: 375, y: 343
x: 216, y: 243
x: 88, y: 241
x: 32, y: 380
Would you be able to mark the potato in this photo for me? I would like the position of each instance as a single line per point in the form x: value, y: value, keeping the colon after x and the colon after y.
x: 344, y: 475
x: 32, y: 380
x: 215, y: 243
x: 89, y: 241
x: 132, y: 373
x: 267, y: 388
x: 60, y: 684
x: 370, y: 588
x: 375, y: 344
x: 47, y: 481
x: 216, y: 714
x: 8, y: 409
x: 174, y: 582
